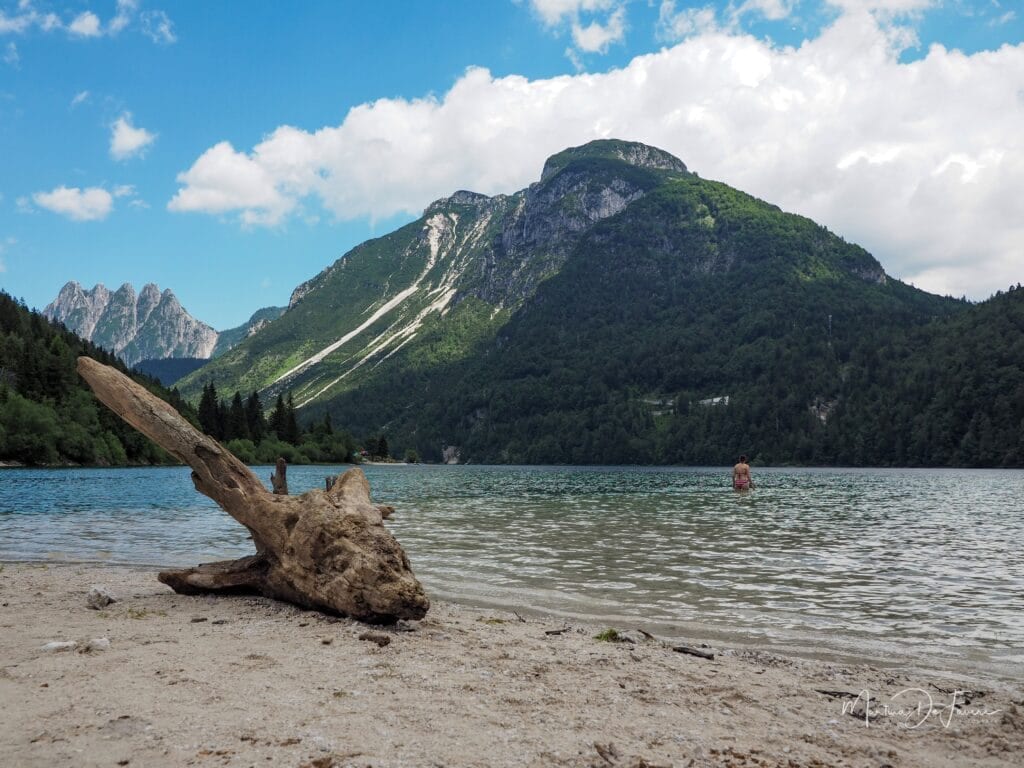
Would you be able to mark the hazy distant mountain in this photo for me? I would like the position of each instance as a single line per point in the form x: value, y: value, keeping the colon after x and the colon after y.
x: 234, y: 336
x: 149, y: 326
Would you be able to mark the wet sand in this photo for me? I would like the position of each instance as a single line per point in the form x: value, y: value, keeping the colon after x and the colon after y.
x: 244, y: 681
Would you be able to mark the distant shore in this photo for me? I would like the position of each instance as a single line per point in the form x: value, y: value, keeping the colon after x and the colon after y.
x: 243, y: 681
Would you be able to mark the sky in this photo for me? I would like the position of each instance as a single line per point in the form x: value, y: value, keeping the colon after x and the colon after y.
x: 231, y: 150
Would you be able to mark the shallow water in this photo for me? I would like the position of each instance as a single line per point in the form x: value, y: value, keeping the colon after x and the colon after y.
x: 892, y: 565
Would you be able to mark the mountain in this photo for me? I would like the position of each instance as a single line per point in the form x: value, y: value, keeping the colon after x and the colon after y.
x: 150, y: 326
x: 620, y: 310
x: 47, y: 413
x: 233, y: 336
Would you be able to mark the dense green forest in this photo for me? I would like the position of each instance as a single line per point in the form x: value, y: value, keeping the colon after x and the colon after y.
x: 47, y: 413
x: 255, y: 438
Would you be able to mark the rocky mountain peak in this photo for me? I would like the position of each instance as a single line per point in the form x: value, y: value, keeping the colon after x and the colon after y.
x: 152, y: 324
x: 631, y: 152
x: 463, y: 197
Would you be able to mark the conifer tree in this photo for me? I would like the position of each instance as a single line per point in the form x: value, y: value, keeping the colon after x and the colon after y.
x: 292, y: 433
x: 208, y: 410
x: 278, y: 417
x: 236, y: 425
x: 254, y: 418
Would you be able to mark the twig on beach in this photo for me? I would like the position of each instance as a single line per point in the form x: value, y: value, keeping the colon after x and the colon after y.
x: 561, y: 631
x: 608, y: 752
x: 693, y: 652
x: 838, y: 694
x: 376, y: 637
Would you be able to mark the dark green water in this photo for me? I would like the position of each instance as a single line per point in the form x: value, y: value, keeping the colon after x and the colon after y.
x: 923, y: 566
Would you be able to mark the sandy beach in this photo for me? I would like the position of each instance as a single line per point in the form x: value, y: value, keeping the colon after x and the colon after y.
x: 245, y: 681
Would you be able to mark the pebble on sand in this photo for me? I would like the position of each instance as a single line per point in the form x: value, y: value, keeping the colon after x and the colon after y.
x: 59, y: 645
x: 99, y: 597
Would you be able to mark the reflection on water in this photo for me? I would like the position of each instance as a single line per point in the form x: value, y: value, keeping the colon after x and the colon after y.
x: 878, y: 563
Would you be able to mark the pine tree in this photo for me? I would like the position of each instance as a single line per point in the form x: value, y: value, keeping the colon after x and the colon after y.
x: 277, y: 419
x: 328, y: 427
x: 254, y: 418
x: 292, y: 433
x: 236, y: 425
x: 208, y: 410
x: 382, y: 447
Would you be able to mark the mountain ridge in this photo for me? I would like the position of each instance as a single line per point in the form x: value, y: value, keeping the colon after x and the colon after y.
x: 152, y: 325
x: 539, y: 326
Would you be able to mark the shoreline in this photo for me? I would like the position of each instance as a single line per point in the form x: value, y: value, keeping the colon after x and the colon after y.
x: 720, y: 635
x: 14, y: 464
x: 245, y: 680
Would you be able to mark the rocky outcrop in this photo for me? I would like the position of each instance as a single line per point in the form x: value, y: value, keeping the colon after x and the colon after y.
x: 631, y: 152
x: 150, y: 325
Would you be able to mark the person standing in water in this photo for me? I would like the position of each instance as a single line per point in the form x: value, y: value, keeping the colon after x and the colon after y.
x: 741, y: 480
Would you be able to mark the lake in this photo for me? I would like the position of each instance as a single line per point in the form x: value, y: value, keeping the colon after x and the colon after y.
x: 921, y: 567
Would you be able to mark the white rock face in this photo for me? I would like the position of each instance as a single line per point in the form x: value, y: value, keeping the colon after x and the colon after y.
x: 152, y: 325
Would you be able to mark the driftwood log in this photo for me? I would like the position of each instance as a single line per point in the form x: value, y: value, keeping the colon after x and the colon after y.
x: 327, y: 550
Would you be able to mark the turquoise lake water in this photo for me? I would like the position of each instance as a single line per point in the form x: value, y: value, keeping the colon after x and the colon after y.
x: 908, y: 566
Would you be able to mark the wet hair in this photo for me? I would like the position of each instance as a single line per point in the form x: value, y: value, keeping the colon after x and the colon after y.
x: 743, y: 459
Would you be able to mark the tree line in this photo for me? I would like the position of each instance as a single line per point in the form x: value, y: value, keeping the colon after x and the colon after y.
x: 257, y: 438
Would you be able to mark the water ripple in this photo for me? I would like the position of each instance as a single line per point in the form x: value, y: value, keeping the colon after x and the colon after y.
x: 921, y: 562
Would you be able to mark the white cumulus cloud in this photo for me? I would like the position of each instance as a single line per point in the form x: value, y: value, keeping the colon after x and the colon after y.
x: 770, y: 9
x: 675, y: 25
x: 125, y: 11
x: 126, y: 140
x: 594, y: 24
x: 891, y: 7
x: 79, y: 98
x: 155, y: 24
x: 920, y: 162
x: 596, y: 37
x: 25, y: 17
x: 86, y: 24
x: 90, y: 204
x: 553, y: 12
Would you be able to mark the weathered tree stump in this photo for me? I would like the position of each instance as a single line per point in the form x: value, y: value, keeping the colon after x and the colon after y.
x: 327, y: 550
x: 279, y: 478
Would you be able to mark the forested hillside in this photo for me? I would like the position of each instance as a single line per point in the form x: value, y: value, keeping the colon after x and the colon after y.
x: 701, y: 323
x: 47, y: 414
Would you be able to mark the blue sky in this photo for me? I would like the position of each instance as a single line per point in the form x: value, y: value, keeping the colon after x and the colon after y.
x: 230, y: 151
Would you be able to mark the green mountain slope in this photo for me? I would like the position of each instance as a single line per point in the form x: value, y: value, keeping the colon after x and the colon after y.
x: 458, y: 272
x: 233, y: 336
x: 623, y: 310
